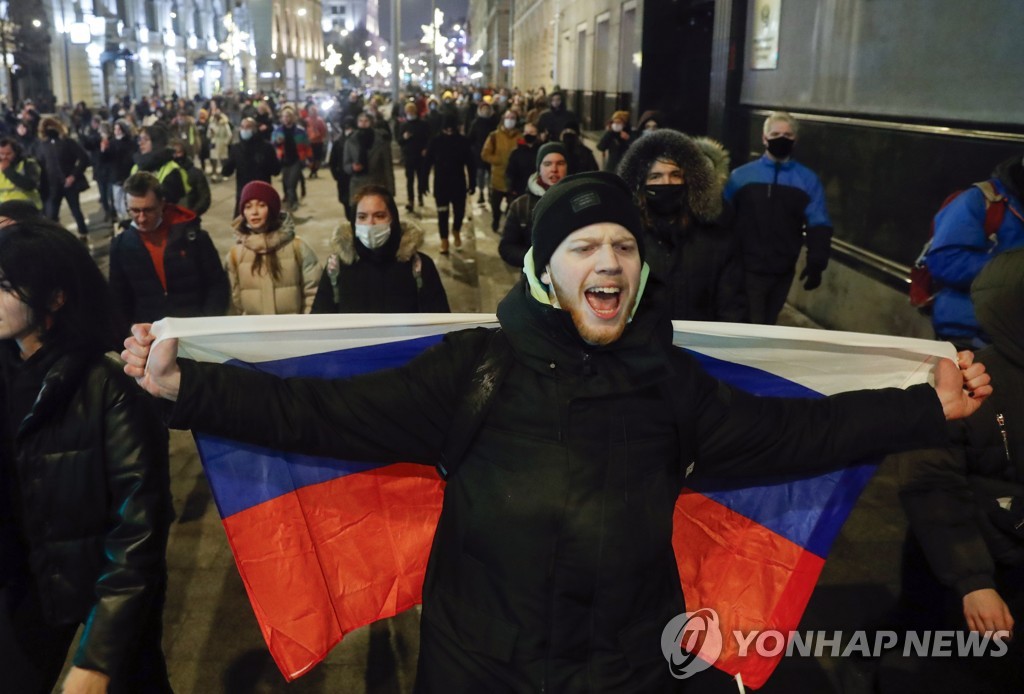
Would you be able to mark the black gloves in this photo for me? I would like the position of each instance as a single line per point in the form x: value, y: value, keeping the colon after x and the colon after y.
x: 812, y: 277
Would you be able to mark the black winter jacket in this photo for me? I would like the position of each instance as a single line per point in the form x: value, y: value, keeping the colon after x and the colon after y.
x: 196, y: 282
x: 95, y: 507
x: 702, y: 266
x: 950, y: 493
x: 155, y: 161
x: 254, y: 160
x: 450, y: 157
x: 522, y: 163
x: 517, y: 234
x: 357, y: 279
x: 552, y: 566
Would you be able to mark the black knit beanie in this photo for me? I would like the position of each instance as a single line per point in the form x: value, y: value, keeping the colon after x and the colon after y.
x: 578, y: 201
x: 546, y: 149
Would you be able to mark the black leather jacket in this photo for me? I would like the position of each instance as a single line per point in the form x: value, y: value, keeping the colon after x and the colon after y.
x: 94, y: 502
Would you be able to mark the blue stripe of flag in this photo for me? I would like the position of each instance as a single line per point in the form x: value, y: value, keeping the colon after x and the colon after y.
x: 243, y: 475
x: 807, y: 511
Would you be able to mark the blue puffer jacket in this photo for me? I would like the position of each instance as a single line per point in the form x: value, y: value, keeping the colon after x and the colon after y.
x: 775, y: 204
x: 960, y: 250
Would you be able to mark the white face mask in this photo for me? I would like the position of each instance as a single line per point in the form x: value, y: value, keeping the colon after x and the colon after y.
x: 509, y: 124
x: 373, y: 235
x: 617, y: 127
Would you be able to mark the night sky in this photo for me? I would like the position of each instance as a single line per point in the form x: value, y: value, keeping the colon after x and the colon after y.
x: 416, y: 13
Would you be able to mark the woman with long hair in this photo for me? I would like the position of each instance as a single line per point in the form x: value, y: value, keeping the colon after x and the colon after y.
x: 84, y: 489
x: 271, y: 270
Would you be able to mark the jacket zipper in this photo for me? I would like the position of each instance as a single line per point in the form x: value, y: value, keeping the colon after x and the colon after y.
x: 1001, y: 421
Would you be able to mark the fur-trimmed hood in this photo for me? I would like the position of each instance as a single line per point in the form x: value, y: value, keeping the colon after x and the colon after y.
x: 534, y: 186
x: 343, y: 243
x: 717, y: 153
x: 261, y: 244
x: 703, y: 188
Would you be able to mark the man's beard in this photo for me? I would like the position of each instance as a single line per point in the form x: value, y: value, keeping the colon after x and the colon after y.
x: 592, y: 335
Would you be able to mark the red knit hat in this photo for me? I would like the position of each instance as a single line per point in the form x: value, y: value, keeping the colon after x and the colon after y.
x: 265, y: 193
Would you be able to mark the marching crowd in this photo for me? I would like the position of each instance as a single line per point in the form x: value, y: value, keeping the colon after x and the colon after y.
x: 85, y: 505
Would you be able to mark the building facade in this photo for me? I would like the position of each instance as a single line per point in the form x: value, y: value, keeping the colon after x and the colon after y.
x: 101, y: 50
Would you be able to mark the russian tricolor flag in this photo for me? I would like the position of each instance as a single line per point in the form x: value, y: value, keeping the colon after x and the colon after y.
x: 325, y: 546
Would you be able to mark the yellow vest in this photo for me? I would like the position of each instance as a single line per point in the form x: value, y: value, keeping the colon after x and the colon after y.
x: 165, y: 171
x: 9, y: 191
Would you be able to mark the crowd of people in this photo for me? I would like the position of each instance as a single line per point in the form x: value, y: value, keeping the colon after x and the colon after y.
x: 610, y: 251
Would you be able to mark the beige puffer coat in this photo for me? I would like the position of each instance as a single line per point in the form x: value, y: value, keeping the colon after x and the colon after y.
x: 259, y: 294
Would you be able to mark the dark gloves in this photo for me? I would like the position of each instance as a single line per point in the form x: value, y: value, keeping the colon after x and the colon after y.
x: 812, y: 276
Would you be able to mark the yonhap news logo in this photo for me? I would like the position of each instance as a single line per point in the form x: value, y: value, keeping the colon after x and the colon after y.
x: 691, y: 642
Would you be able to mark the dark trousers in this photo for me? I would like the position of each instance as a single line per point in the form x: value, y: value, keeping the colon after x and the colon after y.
x: 458, y: 203
x: 497, y: 197
x: 415, y: 171
x: 290, y: 175
x: 318, y: 156
x: 766, y: 295
x: 32, y: 652
x: 51, y: 207
x: 350, y: 210
x: 106, y: 195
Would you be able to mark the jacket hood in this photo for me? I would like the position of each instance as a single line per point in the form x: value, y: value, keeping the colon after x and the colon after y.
x: 997, y: 294
x: 542, y: 335
x: 718, y: 154
x: 153, y: 160
x: 268, y: 242
x: 703, y: 187
x: 533, y: 185
x: 176, y: 214
x: 1011, y: 174
x: 343, y: 243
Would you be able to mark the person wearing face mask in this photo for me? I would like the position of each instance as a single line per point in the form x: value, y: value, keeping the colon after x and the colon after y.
x: 780, y: 207
x: 252, y: 157
x: 522, y: 162
x: 479, y: 130
x: 580, y: 157
x: 556, y: 118
x: 376, y: 265
x: 496, y: 152
x: 271, y: 270
x: 198, y: 197
x: 64, y: 163
x: 691, y: 247
x: 616, y: 140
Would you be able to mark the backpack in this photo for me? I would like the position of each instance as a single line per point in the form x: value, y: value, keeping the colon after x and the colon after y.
x: 923, y: 287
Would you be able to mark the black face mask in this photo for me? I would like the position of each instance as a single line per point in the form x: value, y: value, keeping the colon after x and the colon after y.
x: 665, y: 199
x: 52, y: 134
x: 780, y: 147
x: 570, y: 141
x: 529, y: 139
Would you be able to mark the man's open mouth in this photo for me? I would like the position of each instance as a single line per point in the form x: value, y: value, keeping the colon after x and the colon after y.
x: 604, y: 301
